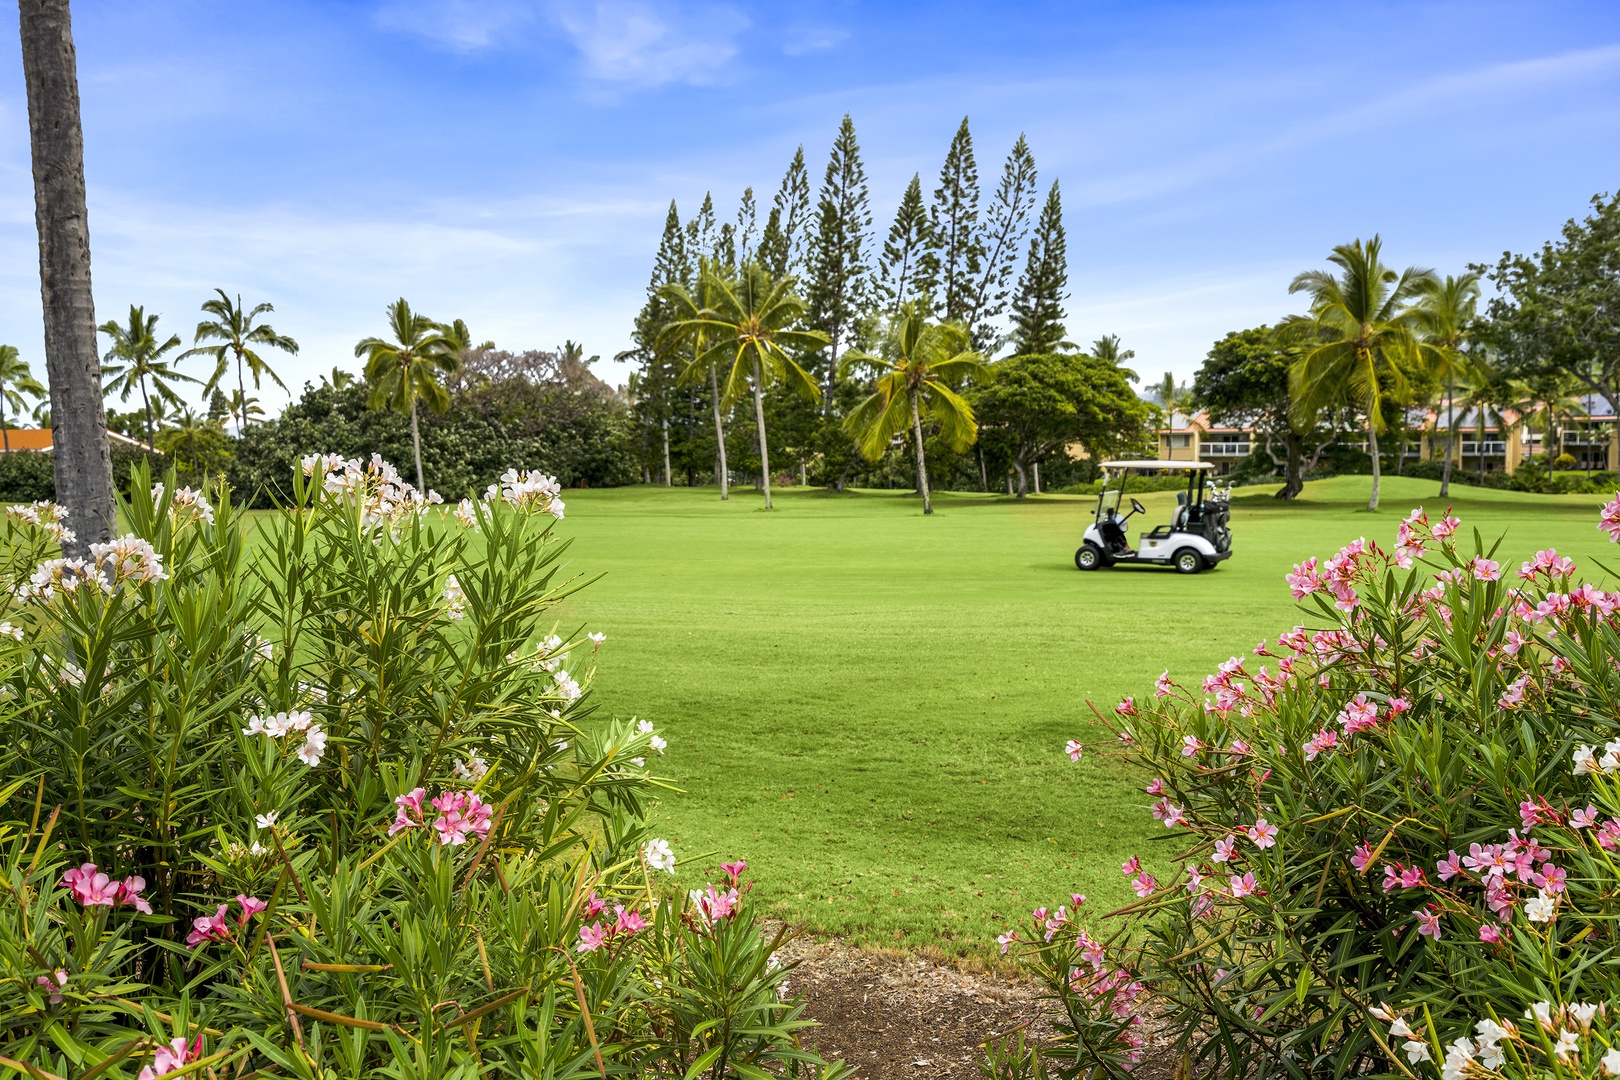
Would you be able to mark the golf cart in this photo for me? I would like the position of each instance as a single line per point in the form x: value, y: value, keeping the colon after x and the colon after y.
x: 1196, y: 538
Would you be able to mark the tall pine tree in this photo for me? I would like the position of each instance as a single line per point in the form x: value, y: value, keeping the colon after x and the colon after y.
x: 908, y: 241
x: 747, y: 225
x: 781, y: 248
x: 1037, y: 310
x: 656, y: 389
x: 700, y: 235
x: 839, y: 279
x: 955, y: 259
x: 1005, y: 228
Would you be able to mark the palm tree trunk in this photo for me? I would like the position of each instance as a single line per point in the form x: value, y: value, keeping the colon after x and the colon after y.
x: 665, y: 426
x: 720, y: 437
x: 416, y: 445
x: 1451, y: 443
x: 1479, y: 442
x: 759, y: 418
x: 922, y: 466
x: 241, y: 389
x: 984, y: 478
x: 1018, y: 467
x: 5, y: 433
x: 82, y: 464
x: 146, y: 404
x: 1372, y: 443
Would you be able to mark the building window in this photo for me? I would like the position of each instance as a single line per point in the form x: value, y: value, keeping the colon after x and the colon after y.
x: 1178, y: 441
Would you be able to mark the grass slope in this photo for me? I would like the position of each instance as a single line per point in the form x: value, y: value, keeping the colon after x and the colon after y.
x: 870, y: 705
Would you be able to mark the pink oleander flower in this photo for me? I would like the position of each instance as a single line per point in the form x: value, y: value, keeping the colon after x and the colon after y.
x: 1162, y: 686
x: 1130, y: 866
x: 594, y: 905
x: 1609, y: 834
x: 1429, y: 924
x: 1581, y: 819
x: 1156, y: 787
x: 1195, y: 878
x: 1074, y: 748
x: 1552, y: 878
x: 409, y: 814
x: 1144, y: 884
x: 1263, y: 834
x: 629, y: 920
x: 1305, y: 580
x: 1610, y: 520
x: 1173, y: 816
x: 460, y: 813
x: 1513, y: 641
x: 1322, y: 741
x: 1358, y: 715
x: 714, y: 905
x: 1362, y: 857
x: 1126, y: 707
x: 1244, y: 886
x: 1239, y: 748
x: 251, y: 906
x: 591, y: 938
x: 90, y: 887
x: 1448, y: 867
x: 1225, y: 847
x: 1485, y: 569
x: 53, y: 984
x: 1514, y: 694
x: 1489, y: 934
x: 1397, y: 706
x: 170, y: 1058
x: 1445, y: 527
x: 1006, y: 940
x: 209, y: 928
x: 733, y: 870
x: 1190, y: 746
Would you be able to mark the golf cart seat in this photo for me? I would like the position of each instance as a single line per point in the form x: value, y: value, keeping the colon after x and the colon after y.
x: 1178, y: 519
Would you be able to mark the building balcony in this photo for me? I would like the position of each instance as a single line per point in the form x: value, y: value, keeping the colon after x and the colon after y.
x: 1226, y: 449
x: 1488, y: 449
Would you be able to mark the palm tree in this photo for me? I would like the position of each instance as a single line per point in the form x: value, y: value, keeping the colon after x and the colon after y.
x: 135, y: 357
x: 1173, y: 397
x: 918, y: 366
x: 1107, y: 348
x: 749, y: 322
x: 246, y: 408
x: 1360, y: 328
x: 690, y: 309
x: 15, y: 381
x: 238, y: 332
x: 406, y: 370
x: 1444, y: 319
x: 56, y: 146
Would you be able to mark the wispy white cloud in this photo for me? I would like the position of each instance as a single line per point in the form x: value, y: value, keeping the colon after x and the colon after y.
x: 463, y: 25
x: 801, y: 39
x: 634, y: 43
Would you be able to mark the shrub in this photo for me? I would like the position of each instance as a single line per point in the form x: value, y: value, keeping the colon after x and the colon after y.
x: 27, y: 476
x: 1388, y: 833
x: 336, y: 803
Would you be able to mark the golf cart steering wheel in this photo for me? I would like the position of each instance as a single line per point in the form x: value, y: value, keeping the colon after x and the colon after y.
x: 1137, y: 507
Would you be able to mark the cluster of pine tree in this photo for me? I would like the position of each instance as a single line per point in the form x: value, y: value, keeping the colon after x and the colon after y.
x: 954, y: 256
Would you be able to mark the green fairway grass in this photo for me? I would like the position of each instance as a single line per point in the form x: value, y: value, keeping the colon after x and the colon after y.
x: 870, y: 705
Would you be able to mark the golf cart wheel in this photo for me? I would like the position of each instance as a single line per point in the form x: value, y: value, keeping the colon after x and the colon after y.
x: 1088, y: 557
x: 1188, y: 561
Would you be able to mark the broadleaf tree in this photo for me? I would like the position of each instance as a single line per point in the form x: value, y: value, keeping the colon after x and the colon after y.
x: 1041, y: 403
x: 1244, y: 380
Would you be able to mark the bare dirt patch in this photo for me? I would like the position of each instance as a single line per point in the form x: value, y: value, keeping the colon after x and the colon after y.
x: 907, y: 1017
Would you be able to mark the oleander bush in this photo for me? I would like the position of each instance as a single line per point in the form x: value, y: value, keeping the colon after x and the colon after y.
x: 325, y: 795
x: 1391, y: 837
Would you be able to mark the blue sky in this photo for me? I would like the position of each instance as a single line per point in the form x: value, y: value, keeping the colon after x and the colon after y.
x: 509, y: 162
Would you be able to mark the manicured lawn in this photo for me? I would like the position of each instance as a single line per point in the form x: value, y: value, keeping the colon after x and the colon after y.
x: 870, y: 706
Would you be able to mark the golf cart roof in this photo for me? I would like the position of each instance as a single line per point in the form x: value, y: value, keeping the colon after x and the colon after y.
x: 1179, y: 466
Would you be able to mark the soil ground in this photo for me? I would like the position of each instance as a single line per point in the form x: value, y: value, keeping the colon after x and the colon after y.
x: 906, y: 1017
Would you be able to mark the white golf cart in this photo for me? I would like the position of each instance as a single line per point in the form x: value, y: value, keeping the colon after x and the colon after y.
x: 1197, y: 537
